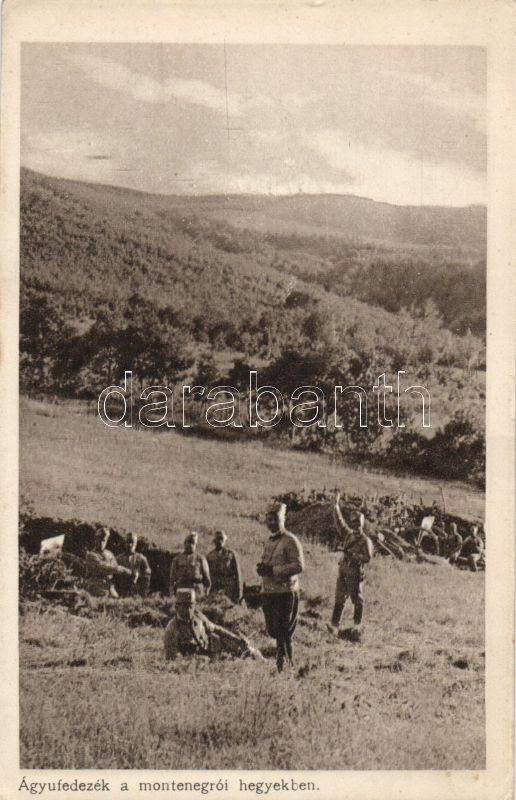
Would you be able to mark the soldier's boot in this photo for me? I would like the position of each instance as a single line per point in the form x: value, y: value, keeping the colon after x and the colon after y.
x: 288, y: 649
x: 357, y: 616
x: 280, y: 654
x: 333, y: 626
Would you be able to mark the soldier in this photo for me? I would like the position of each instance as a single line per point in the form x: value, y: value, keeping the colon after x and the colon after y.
x: 454, y: 543
x: 190, y: 632
x: 224, y: 569
x: 138, y: 565
x: 427, y: 530
x: 282, y: 561
x: 357, y: 550
x: 189, y: 570
x: 473, y: 549
x: 101, y: 565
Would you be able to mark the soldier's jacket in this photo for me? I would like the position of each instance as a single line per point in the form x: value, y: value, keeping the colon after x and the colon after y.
x: 225, y: 573
x: 284, y: 553
x: 198, y: 635
x: 356, y: 546
x: 358, y: 549
x: 136, y: 562
x: 454, y: 542
x: 189, y: 571
x: 472, y: 545
x: 99, y: 568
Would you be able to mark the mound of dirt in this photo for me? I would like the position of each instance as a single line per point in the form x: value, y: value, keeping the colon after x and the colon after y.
x: 388, y: 518
x: 80, y: 537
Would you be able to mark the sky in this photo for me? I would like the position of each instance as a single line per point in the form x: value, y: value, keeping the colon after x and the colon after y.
x: 402, y: 125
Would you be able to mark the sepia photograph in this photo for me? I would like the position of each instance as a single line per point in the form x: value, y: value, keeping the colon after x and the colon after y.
x: 253, y: 368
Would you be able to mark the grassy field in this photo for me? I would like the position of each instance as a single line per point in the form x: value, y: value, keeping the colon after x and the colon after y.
x: 98, y: 694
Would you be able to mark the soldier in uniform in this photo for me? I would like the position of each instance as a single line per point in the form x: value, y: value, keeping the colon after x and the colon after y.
x: 473, y: 549
x: 281, y: 563
x: 101, y: 565
x: 357, y: 550
x: 189, y: 570
x: 190, y: 632
x: 454, y: 543
x: 224, y: 569
x: 138, y: 565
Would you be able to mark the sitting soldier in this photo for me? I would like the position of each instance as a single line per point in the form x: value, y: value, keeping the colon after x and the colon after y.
x: 100, y: 566
x: 190, y: 632
x: 473, y: 549
x: 224, y: 570
x: 137, y: 563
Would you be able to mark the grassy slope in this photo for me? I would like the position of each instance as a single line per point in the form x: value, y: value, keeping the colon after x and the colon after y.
x: 396, y: 701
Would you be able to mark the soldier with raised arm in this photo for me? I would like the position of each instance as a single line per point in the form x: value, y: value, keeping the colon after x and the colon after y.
x: 357, y: 550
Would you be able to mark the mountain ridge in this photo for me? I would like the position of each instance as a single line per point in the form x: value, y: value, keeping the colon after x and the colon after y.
x: 345, y: 216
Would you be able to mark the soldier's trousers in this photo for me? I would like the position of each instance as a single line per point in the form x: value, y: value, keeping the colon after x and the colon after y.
x: 280, y: 612
x: 350, y: 583
x: 473, y: 560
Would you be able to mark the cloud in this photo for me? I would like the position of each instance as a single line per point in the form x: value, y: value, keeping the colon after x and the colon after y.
x: 388, y: 175
x: 213, y: 177
x: 76, y: 154
x: 119, y: 78
x: 466, y: 103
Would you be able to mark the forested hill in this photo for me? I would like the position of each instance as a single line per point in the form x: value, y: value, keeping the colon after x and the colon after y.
x: 98, y: 244
x: 113, y: 279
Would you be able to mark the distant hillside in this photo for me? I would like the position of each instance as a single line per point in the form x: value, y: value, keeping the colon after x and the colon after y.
x: 356, y: 218
x: 227, y: 256
x: 96, y: 247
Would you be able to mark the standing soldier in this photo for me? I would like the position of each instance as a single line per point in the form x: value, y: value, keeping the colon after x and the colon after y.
x: 101, y: 566
x: 357, y: 550
x: 190, y: 632
x: 139, y: 566
x: 282, y: 562
x: 454, y: 543
x: 189, y: 570
x: 224, y: 569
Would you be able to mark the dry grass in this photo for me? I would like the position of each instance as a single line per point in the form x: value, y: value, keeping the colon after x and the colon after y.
x: 97, y: 694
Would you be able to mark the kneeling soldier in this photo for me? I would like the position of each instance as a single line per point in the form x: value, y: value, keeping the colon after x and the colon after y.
x: 190, y: 632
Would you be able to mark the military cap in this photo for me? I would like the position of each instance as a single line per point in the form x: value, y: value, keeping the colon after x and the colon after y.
x: 101, y: 534
x: 276, y: 508
x: 192, y: 537
x: 185, y: 597
x: 220, y: 535
x: 131, y: 537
